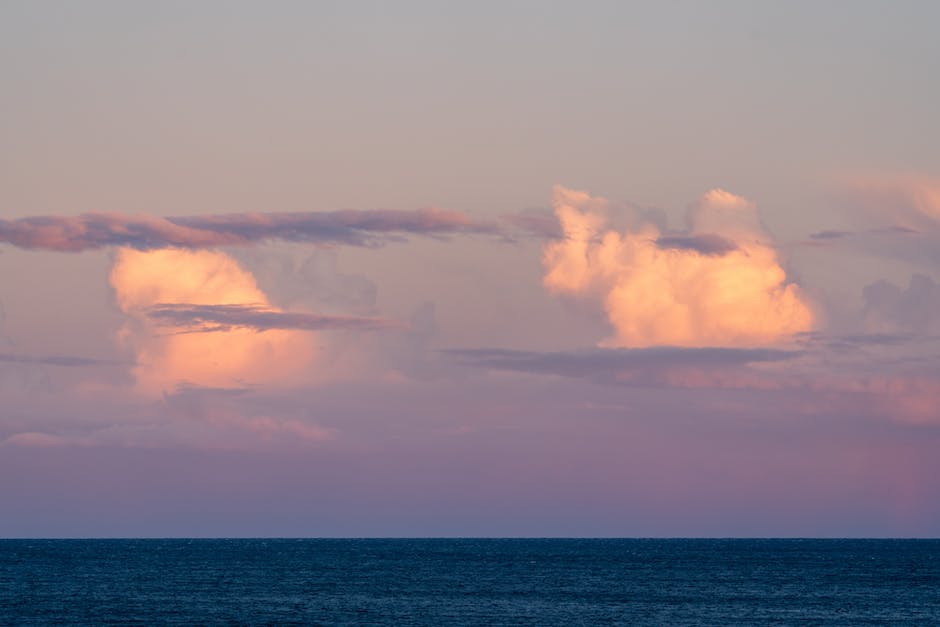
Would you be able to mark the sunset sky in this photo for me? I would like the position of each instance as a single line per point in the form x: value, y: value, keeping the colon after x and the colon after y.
x: 469, y: 269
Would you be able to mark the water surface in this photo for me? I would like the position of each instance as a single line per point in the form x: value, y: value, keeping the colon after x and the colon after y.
x: 454, y: 582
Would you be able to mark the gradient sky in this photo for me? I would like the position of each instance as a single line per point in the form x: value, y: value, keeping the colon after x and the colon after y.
x: 475, y: 269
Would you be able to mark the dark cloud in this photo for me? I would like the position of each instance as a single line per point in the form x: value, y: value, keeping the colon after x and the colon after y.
x: 207, y: 318
x: 830, y: 234
x: 606, y: 364
x: 355, y: 228
x: 705, y: 244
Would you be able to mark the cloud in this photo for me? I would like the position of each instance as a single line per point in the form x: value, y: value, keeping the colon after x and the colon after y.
x: 58, y: 360
x: 36, y: 439
x: 858, y: 376
x: 706, y: 244
x: 895, y: 216
x: 855, y: 341
x: 655, y: 367
x: 350, y: 227
x: 908, y: 202
x: 213, y: 281
x: 229, y: 412
x: 20, y: 370
x: 718, y: 284
x: 830, y: 234
x: 540, y: 223
x: 889, y: 308
x: 669, y: 367
x: 216, y: 318
x: 877, y: 239
x: 190, y: 417
x: 610, y: 365
x: 310, y: 278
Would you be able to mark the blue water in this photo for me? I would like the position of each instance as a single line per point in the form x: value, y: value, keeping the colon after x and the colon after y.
x: 471, y: 582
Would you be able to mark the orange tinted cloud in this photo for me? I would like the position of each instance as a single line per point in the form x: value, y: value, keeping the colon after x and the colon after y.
x: 655, y: 294
x: 169, y: 356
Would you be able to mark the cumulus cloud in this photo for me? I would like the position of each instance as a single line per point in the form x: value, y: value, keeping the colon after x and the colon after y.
x: 719, y: 283
x: 168, y: 357
x: 351, y: 227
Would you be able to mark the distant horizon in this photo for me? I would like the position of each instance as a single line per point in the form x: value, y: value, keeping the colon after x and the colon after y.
x: 716, y: 538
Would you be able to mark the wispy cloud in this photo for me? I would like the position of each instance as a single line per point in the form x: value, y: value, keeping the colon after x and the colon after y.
x: 889, y: 307
x: 207, y: 318
x: 830, y: 234
x: 66, y: 361
x: 894, y: 216
x: 539, y: 223
x: 908, y: 201
x: 850, y: 375
x: 872, y: 235
x: 824, y: 341
x: 610, y: 364
x: 350, y: 227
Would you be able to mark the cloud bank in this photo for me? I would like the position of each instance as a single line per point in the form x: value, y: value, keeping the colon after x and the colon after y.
x: 91, y: 231
x: 717, y: 284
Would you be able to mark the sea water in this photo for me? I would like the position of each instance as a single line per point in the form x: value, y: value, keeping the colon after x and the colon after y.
x: 470, y: 582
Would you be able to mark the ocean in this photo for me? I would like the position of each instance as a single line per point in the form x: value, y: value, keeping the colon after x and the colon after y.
x: 470, y: 582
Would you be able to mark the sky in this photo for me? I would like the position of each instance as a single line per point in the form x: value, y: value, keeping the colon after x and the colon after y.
x: 469, y: 269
